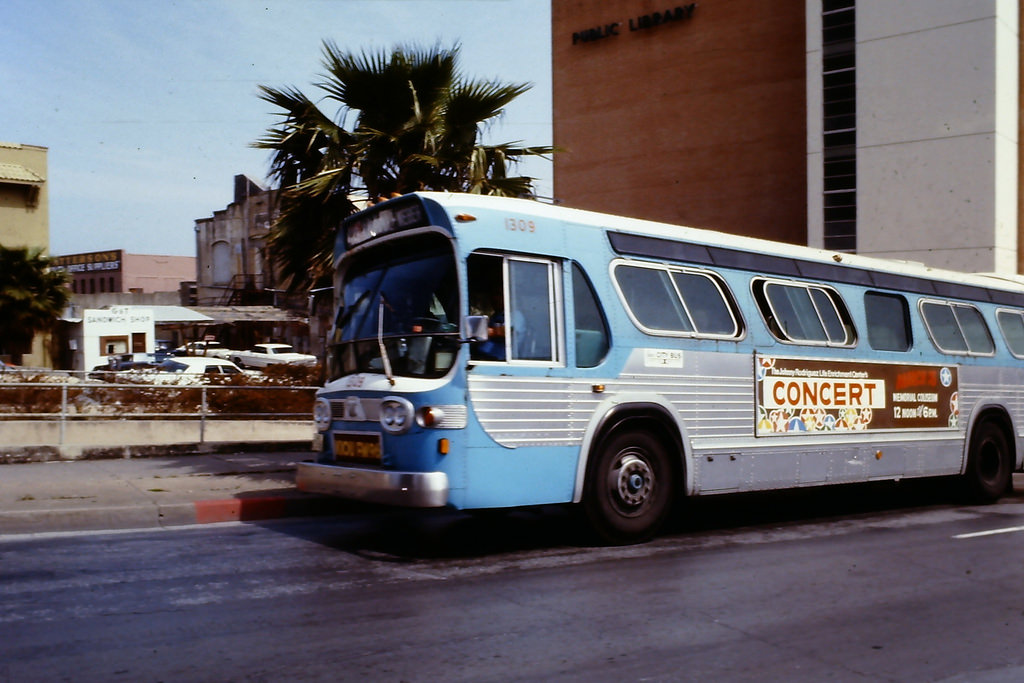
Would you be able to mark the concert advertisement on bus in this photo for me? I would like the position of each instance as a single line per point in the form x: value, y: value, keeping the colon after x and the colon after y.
x: 800, y: 395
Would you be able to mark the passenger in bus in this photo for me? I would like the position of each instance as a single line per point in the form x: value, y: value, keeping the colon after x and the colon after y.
x: 494, y: 347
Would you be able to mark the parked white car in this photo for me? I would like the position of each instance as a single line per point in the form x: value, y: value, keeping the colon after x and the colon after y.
x: 262, y: 355
x: 204, y: 348
x: 190, y: 370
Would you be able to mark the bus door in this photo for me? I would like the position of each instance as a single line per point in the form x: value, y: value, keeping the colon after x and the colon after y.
x: 519, y: 385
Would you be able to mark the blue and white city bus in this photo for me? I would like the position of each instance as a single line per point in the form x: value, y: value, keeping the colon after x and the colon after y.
x: 492, y: 353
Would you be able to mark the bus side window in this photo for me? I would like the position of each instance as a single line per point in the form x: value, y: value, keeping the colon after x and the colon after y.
x: 957, y: 328
x: 804, y: 313
x: 592, y: 339
x: 888, y: 321
x: 975, y: 330
x: 651, y: 298
x: 1011, y: 324
x: 531, y: 320
x: 677, y: 301
x: 707, y: 304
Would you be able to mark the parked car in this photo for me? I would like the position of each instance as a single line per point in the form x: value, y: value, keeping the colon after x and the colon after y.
x: 188, y: 370
x: 124, y: 361
x: 204, y: 348
x: 262, y: 355
x: 163, y: 350
x: 127, y: 361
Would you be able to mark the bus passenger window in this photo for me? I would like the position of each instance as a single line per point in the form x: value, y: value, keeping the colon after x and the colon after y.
x: 678, y: 301
x: 1011, y: 324
x: 957, y: 328
x: 975, y: 330
x: 592, y: 341
x: 706, y: 303
x: 888, y: 321
x: 650, y: 296
x: 531, y: 323
x: 804, y: 313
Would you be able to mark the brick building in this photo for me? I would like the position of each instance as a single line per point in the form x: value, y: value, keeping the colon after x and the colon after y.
x: 889, y: 129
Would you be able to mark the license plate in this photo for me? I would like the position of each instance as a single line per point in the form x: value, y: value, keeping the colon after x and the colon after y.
x: 362, y: 447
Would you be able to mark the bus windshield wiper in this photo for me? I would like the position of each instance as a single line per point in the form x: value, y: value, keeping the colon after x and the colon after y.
x: 380, y: 339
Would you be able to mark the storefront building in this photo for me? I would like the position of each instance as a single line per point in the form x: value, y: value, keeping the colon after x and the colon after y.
x: 101, y: 333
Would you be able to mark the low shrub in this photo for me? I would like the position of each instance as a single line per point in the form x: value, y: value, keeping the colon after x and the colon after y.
x: 281, y: 391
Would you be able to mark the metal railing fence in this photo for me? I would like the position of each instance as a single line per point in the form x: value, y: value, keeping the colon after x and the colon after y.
x: 89, y: 400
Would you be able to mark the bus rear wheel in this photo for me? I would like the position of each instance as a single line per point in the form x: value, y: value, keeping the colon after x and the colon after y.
x: 989, y: 464
x: 629, y: 488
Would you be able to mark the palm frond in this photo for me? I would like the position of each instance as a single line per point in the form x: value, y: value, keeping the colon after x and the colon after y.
x: 405, y: 120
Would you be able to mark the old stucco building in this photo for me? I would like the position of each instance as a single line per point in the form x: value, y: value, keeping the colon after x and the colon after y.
x: 232, y: 264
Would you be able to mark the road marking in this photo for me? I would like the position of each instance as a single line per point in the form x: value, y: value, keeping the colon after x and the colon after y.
x: 991, y: 532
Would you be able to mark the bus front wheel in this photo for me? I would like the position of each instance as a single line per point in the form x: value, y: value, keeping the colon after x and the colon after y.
x: 629, y: 488
x: 989, y: 463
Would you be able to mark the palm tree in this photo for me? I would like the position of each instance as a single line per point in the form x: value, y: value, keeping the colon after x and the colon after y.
x: 406, y: 120
x: 32, y: 298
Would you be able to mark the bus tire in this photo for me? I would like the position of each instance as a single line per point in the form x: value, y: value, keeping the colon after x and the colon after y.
x: 989, y: 463
x: 629, y: 488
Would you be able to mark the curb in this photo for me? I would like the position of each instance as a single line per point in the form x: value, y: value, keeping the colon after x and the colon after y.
x: 252, y: 509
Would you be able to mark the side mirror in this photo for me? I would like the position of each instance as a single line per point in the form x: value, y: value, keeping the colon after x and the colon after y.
x: 474, y: 328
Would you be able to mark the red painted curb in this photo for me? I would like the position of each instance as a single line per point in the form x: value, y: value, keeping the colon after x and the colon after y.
x: 240, y: 509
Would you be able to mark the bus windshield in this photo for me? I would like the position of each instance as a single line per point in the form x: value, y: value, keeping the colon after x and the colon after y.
x: 404, y: 296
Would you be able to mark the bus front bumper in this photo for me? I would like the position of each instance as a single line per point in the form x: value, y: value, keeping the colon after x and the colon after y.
x: 405, y: 489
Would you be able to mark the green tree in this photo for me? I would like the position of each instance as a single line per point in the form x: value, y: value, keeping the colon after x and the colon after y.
x: 405, y: 120
x: 32, y: 298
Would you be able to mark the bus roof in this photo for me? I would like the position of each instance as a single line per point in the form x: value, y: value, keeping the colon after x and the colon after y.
x: 455, y: 202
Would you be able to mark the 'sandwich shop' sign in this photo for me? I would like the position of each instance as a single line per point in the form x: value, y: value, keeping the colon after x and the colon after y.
x: 799, y: 395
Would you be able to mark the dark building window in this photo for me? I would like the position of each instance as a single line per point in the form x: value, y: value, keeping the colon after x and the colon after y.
x: 839, y: 76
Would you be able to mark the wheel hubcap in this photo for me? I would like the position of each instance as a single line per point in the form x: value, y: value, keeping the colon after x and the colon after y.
x: 632, y: 480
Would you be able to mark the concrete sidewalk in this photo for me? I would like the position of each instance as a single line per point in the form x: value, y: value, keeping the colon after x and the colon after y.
x: 153, y: 492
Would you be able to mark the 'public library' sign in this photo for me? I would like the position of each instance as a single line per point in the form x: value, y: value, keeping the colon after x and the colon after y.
x: 642, y: 22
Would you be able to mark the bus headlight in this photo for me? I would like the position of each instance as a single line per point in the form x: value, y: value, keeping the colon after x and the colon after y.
x: 396, y: 414
x: 322, y: 414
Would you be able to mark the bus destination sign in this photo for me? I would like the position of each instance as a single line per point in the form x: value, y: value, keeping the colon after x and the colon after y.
x: 799, y: 395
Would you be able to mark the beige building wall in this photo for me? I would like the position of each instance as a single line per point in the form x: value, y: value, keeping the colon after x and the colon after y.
x: 25, y: 213
x: 686, y: 113
x: 24, y: 196
x: 154, y: 273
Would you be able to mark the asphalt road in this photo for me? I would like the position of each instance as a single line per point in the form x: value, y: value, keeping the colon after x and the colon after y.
x: 855, y: 584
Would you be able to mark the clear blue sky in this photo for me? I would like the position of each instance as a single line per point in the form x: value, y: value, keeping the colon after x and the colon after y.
x: 148, y: 107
